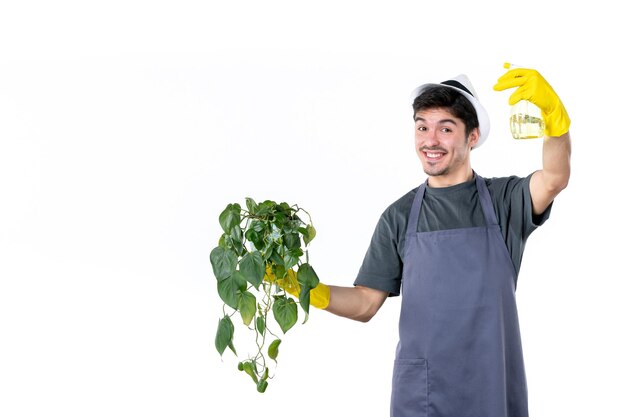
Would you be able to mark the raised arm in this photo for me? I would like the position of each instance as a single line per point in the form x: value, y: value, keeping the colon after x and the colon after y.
x: 548, y: 182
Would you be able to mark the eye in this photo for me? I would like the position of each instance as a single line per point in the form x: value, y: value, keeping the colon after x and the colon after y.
x: 446, y: 130
x: 421, y: 128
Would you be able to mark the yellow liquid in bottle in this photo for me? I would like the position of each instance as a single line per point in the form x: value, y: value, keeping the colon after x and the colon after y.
x: 524, y: 126
x: 526, y: 121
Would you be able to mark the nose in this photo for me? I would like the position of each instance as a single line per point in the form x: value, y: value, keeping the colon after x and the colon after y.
x: 427, y: 138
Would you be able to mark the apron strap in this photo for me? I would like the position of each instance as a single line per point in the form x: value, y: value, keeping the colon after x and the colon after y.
x: 485, y: 201
x: 415, y: 209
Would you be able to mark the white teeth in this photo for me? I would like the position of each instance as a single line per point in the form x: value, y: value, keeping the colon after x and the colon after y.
x: 433, y: 155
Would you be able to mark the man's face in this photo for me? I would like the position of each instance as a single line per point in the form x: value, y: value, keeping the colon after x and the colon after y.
x: 442, y: 145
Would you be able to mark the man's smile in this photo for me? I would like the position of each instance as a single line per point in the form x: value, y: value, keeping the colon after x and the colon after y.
x: 433, y: 155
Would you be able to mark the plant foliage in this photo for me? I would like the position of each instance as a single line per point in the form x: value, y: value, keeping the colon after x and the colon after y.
x: 261, y: 241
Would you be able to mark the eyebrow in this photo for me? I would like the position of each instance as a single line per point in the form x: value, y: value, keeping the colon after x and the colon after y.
x: 443, y: 121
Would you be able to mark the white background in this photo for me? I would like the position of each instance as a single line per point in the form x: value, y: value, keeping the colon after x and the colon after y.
x: 126, y: 127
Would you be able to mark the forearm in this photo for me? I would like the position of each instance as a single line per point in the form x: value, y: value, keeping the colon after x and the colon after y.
x: 556, y: 162
x: 548, y: 182
x: 356, y: 303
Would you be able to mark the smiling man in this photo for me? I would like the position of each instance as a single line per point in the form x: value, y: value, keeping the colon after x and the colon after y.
x: 452, y: 248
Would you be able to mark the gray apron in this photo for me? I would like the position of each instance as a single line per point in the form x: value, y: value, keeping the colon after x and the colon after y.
x: 460, y: 352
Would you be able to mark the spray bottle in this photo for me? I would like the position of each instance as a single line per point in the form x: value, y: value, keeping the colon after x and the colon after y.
x: 526, y: 121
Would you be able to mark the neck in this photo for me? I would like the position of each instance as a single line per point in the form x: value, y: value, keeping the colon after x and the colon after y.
x: 448, y: 180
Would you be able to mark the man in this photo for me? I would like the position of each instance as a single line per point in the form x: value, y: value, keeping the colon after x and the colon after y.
x: 453, y: 248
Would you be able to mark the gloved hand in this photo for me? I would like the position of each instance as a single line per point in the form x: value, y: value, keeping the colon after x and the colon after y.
x: 534, y: 88
x: 319, y: 296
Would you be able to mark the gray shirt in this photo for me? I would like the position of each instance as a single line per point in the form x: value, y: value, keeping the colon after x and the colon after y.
x: 445, y: 208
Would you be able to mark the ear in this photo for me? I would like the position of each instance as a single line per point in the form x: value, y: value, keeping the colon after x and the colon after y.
x: 473, y: 137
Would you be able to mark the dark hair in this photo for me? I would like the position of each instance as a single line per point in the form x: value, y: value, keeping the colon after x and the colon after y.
x: 457, y: 104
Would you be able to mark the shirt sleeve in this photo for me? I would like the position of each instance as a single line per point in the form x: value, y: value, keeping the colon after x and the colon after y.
x: 382, y: 265
x: 513, y: 204
x: 535, y: 220
x: 522, y: 208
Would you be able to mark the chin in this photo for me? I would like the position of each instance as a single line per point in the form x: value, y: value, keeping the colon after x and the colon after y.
x: 435, y: 171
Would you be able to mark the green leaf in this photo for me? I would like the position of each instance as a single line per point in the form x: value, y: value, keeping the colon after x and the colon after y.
x: 272, y: 350
x: 276, y: 258
x: 268, y: 251
x: 305, y: 299
x: 285, y: 312
x: 230, y: 217
x: 251, y: 205
x: 223, y: 261
x: 307, y: 276
x: 224, y: 336
x: 232, y: 347
x: 288, y: 258
x: 310, y: 234
x: 291, y: 258
x: 261, y: 386
x: 292, y: 226
x: 265, y: 208
x: 257, y: 225
x: 307, y: 279
x: 279, y: 219
x: 254, y: 237
x: 235, y: 238
x: 292, y: 240
x: 246, y: 306
x: 260, y: 325
x: 250, y: 368
x: 252, y: 268
x: 228, y: 289
x: 279, y: 271
x: 275, y: 233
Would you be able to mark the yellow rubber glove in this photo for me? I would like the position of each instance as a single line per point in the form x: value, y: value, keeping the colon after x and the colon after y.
x: 534, y: 88
x: 319, y: 296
